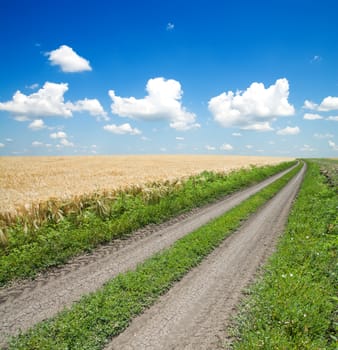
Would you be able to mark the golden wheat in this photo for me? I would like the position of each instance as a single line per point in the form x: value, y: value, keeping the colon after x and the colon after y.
x: 41, y: 184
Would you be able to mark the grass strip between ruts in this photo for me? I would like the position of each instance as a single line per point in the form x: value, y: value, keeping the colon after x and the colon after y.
x: 294, y: 305
x: 92, y: 321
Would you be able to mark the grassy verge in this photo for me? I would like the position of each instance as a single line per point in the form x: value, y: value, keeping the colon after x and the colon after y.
x: 91, y: 322
x: 26, y: 250
x: 293, y: 306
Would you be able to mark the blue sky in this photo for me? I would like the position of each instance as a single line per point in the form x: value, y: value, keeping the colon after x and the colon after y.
x: 171, y: 77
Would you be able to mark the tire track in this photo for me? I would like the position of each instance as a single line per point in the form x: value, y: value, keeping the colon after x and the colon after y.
x: 194, y: 313
x: 24, y: 304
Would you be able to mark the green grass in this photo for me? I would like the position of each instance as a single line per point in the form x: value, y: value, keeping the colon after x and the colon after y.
x: 294, y: 305
x: 91, y: 322
x: 54, y: 243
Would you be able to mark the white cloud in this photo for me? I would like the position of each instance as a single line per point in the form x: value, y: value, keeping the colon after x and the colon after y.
x: 249, y: 146
x: 66, y: 143
x: 37, y: 144
x: 333, y: 145
x: 58, y: 135
x: 122, y: 129
x: 48, y: 101
x: 333, y: 118
x: 312, y: 116
x: 210, y: 148
x: 226, y: 147
x: 258, y: 127
x: 252, y: 109
x: 307, y: 148
x: 310, y: 105
x: 328, y: 104
x: 37, y: 124
x: 9, y: 140
x: 289, y: 131
x: 33, y: 86
x: 178, y: 138
x: 163, y: 102
x: 93, y: 106
x: 163, y: 149
x: 236, y: 134
x: 323, y: 136
x: 68, y: 60
x: 170, y: 26
x: 2, y: 145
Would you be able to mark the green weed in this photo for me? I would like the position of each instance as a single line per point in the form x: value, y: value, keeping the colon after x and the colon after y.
x: 293, y: 306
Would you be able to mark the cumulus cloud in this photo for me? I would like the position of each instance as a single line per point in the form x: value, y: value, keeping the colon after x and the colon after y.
x: 236, y: 134
x: 333, y: 118
x: 49, y: 101
x: 312, y: 116
x: 163, y: 102
x: 249, y: 146
x: 58, y: 135
x: 179, y: 138
x: 37, y: 144
x: 63, y: 139
x: 93, y: 106
x: 122, y: 129
x: 66, y: 143
x: 210, y: 148
x: 310, y: 105
x: 289, y: 131
x: 9, y: 140
x: 333, y: 145
x: 37, y: 124
x: 2, y: 145
x: 252, y: 109
x: 226, y: 147
x: 68, y: 60
x: 329, y: 103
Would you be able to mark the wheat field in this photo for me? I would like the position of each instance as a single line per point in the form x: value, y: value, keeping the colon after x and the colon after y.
x: 28, y: 180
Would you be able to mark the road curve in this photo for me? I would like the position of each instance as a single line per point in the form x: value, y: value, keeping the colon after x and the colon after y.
x: 25, y: 304
x: 194, y: 313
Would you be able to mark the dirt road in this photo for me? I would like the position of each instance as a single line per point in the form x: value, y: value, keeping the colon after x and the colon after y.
x: 23, y: 305
x: 194, y: 313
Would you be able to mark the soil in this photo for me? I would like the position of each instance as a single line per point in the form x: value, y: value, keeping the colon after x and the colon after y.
x: 28, y: 302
